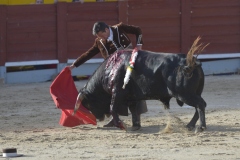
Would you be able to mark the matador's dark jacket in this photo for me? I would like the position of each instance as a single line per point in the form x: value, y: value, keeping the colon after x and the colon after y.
x: 120, y: 41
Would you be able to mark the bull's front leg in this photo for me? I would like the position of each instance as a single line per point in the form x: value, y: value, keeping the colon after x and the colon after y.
x: 191, y: 125
x: 202, y: 125
x: 117, y: 122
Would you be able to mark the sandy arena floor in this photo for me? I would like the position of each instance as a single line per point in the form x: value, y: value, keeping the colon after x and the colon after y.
x: 29, y: 122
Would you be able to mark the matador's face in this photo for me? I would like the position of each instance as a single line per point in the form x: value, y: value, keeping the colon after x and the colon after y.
x: 103, y: 35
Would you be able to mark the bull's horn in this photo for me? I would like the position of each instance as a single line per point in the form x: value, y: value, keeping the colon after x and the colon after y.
x: 78, y: 103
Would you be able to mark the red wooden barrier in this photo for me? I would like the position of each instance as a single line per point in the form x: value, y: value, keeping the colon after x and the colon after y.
x: 3, y: 35
x: 64, y: 30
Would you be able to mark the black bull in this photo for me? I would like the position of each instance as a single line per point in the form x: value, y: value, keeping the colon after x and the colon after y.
x: 156, y: 76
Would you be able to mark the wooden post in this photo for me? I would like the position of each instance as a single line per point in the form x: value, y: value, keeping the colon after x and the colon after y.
x: 62, y: 32
x: 3, y: 35
x: 185, y: 25
x: 123, y: 11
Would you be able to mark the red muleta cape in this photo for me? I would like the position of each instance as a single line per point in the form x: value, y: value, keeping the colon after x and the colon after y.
x: 64, y: 94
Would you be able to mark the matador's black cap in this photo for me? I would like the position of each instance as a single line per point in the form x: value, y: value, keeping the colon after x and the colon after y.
x: 98, y: 27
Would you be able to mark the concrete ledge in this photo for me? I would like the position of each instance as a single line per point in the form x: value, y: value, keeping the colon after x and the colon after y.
x: 88, y: 68
x: 29, y: 63
x: 1, y: 81
x: 33, y: 76
x: 94, y: 60
x: 223, y: 65
x: 2, y: 72
x: 30, y: 76
x: 218, y: 56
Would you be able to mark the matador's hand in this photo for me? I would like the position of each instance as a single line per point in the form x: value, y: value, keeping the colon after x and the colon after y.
x: 71, y: 67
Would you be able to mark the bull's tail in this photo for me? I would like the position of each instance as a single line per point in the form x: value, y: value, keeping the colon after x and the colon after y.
x: 191, y: 61
x: 195, y: 49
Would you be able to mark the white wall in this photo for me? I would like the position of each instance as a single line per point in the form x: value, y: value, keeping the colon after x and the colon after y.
x: 219, y: 66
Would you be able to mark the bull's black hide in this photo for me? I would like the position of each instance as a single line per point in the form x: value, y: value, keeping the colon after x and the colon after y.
x: 156, y: 76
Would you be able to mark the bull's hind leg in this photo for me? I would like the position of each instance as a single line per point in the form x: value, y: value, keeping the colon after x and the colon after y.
x: 202, y: 125
x: 200, y: 105
x: 191, y: 125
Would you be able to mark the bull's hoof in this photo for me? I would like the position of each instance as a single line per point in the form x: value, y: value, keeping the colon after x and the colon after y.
x: 190, y: 128
x: 166, y: 107
x: 107, y: 115
x: 122, y: 126
x: 135, y: 128
x: 109, y: 124
x: 200, y: 129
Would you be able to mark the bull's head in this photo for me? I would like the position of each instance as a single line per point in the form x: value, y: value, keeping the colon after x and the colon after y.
x: 95, y: 106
